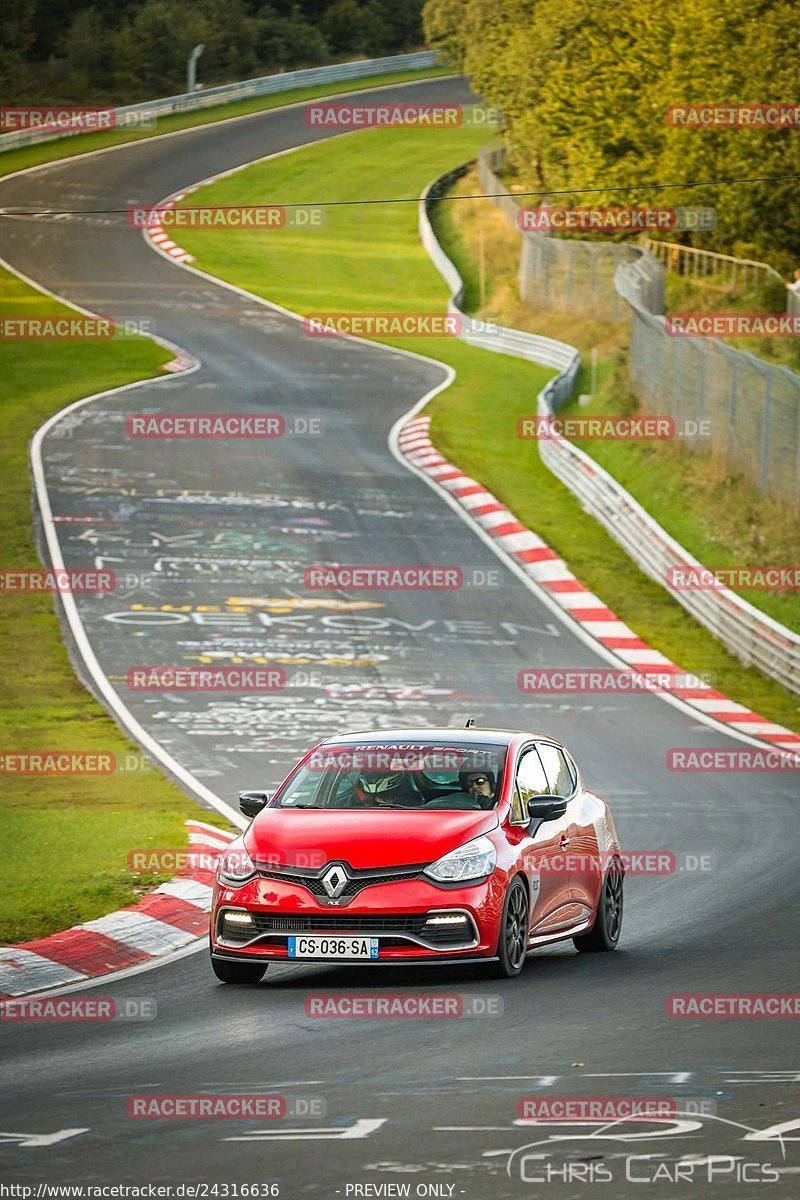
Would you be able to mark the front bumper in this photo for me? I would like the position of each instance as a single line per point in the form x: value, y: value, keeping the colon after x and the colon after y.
x: 414, y: 920
x: 428, y: 960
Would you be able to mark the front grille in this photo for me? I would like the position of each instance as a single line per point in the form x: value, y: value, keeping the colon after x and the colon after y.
x: 414, y: 925
x: 359, y: 880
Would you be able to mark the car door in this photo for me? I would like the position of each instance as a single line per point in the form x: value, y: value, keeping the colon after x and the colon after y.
x: 545, y: 852
x: 562, y: 776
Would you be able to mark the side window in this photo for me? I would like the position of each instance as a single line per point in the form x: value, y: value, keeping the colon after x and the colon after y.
x: 531, y: 781
x: 558, y: 772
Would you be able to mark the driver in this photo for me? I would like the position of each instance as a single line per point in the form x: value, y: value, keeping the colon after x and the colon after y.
x: 376, y: 791
x: 476, y: 783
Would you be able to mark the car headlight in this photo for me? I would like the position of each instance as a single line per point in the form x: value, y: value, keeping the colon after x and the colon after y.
x: 473, y: 860
x: 235, y: 865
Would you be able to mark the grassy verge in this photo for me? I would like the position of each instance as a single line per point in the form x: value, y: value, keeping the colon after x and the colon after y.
x: 29, y: 156
x: 717, y: 515
x: 369, y: 259
x: 65, y: 839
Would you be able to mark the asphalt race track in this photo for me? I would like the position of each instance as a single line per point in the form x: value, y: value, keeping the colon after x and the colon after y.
x: 222, y: 532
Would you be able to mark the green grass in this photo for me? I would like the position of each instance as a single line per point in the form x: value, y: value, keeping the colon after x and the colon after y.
x: 28, y: 156
x: 65, y: 840
x: 369, y: 259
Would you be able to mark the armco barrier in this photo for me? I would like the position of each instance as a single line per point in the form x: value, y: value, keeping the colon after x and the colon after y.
x: 265, y: 85
x: 547, y: 352
x: 751, y: 635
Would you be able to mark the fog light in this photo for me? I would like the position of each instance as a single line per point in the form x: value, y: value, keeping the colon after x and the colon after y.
x: 238, y: 918
x: 454, y: 919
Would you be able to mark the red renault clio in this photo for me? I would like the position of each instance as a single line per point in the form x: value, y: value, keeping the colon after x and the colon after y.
x: 433, y: 846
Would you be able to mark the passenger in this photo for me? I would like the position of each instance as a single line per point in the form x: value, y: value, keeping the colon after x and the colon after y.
x: 477, y: 783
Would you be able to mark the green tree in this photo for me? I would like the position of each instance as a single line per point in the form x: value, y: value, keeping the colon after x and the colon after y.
x: 445, y: 30
x: 17, y: 36
x: 88, y: 46
x: 738, y: 55
x: 351, y: 28
x: 402, y: 20
x: 287, y: 41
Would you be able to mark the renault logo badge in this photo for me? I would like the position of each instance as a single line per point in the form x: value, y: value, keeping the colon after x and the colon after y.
x: 335, y: 880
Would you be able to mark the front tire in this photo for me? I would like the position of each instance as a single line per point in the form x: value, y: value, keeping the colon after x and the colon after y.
x: 512, y: 946
x: 604, y: 935
x: 237, y: 972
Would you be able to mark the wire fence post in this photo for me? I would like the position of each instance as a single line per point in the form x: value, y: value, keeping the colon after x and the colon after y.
x: 765, y: 433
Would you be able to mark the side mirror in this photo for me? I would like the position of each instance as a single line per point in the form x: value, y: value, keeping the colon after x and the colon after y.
x: 546, y: 808
x: 251, y: 803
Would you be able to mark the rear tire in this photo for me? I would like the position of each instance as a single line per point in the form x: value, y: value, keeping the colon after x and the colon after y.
x: 604, y: 935
x: 237, y: 972
x: 512, y: 945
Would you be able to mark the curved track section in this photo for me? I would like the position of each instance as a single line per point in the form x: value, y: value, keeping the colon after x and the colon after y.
x: 214, y: 540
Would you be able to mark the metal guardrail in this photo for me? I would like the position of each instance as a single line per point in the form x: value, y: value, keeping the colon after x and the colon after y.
x: 131, y: 115
x: 699, y: 265
x: 750, y: 634
x: 755, y: 638
x: 544, y: 351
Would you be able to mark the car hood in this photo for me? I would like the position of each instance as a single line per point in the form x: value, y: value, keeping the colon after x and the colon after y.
x: 312, y: 838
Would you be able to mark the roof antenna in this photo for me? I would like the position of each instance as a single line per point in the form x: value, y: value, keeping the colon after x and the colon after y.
x: 470, y: 723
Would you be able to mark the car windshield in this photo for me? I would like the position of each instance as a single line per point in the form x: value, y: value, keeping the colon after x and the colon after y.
x: 407, y: 775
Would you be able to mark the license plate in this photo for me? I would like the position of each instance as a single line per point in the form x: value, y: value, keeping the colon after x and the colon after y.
x: 333, y: 947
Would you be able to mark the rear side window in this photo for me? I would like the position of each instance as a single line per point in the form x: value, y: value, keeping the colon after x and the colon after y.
x: 557, y: 769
